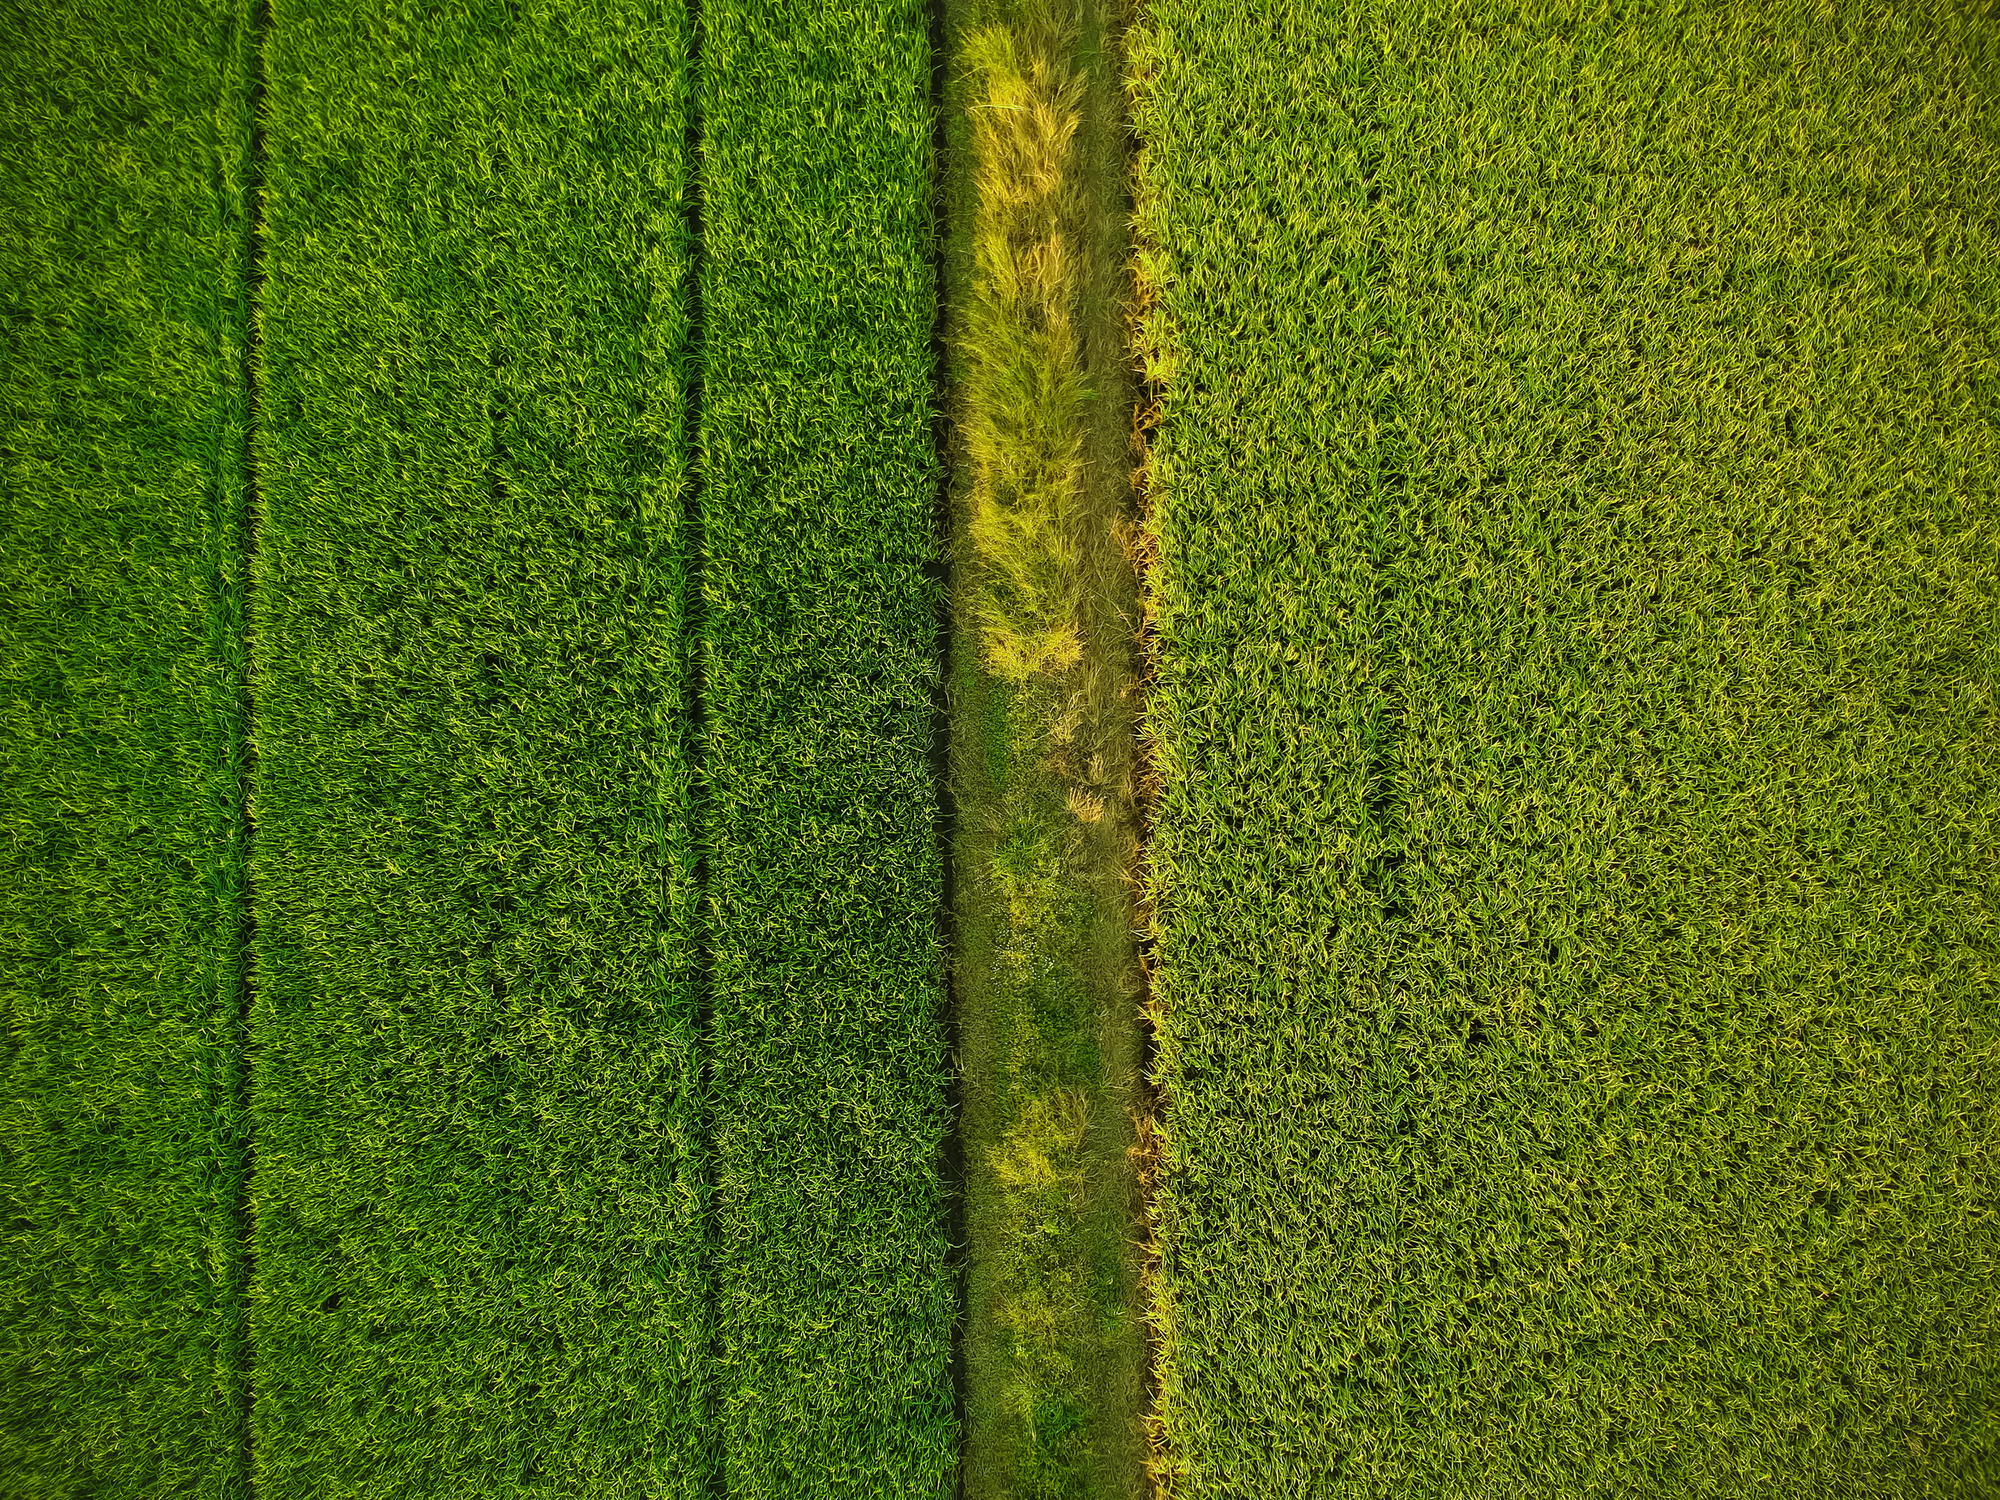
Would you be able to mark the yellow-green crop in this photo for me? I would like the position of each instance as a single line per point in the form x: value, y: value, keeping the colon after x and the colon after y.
x: 1023, y: 422
x: 1578, y: 506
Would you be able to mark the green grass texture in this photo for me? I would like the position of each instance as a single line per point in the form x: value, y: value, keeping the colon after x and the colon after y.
x: 482, y: 1180
x: 1578, y: 608
x: 819, y: 513
x: 124, y: 135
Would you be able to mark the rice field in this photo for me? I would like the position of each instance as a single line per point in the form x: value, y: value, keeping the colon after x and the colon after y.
x: 1574, y: 946
x: 482, y: 1176
x: 1469, y: 566
x: 822, y: 610
x: 124, y: 131
x: 559, y: 1142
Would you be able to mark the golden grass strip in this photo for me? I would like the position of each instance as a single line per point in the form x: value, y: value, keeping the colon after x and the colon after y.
x: 1026, y: 390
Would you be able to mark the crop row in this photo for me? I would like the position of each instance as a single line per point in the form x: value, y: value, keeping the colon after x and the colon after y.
x: 122, y: 666
x: 819, y: 485
x: 481, y: 1165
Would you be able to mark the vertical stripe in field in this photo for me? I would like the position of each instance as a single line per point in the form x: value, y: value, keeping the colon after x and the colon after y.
x: 481, y: 1185
x: 123, y: 138
x: 819, y: 490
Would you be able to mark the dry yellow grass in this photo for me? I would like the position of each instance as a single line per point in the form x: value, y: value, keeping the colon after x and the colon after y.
x: 1026, y: 390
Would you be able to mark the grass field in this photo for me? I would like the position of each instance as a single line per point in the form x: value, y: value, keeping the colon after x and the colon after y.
x: 482, y: 1175
x: 1579, y: 628
x: 819, y: 512
x: 123, y: 139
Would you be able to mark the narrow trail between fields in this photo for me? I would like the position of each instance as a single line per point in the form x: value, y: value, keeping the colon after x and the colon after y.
x: 237, y: 607
x: 1044, y: 675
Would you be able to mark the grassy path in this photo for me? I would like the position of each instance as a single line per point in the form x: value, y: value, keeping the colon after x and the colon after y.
x: 1578, y: 712
x: 482, y: 1171
x: 123, y: 140
x: 1045, y: 604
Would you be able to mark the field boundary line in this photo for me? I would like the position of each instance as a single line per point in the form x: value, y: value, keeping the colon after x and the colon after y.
x: 951, y: 1146
x: 1043, y: 675
x: 248, y: 46
x: 1142, y: 549
x: 694, y: 711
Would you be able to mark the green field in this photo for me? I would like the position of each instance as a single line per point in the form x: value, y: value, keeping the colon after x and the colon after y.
x: 123, y: 137
x: 595, y: 1060
x: 481, y: 1149
x: 818, y: 507
x: 521, y: 975
x: 1578, y: 496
